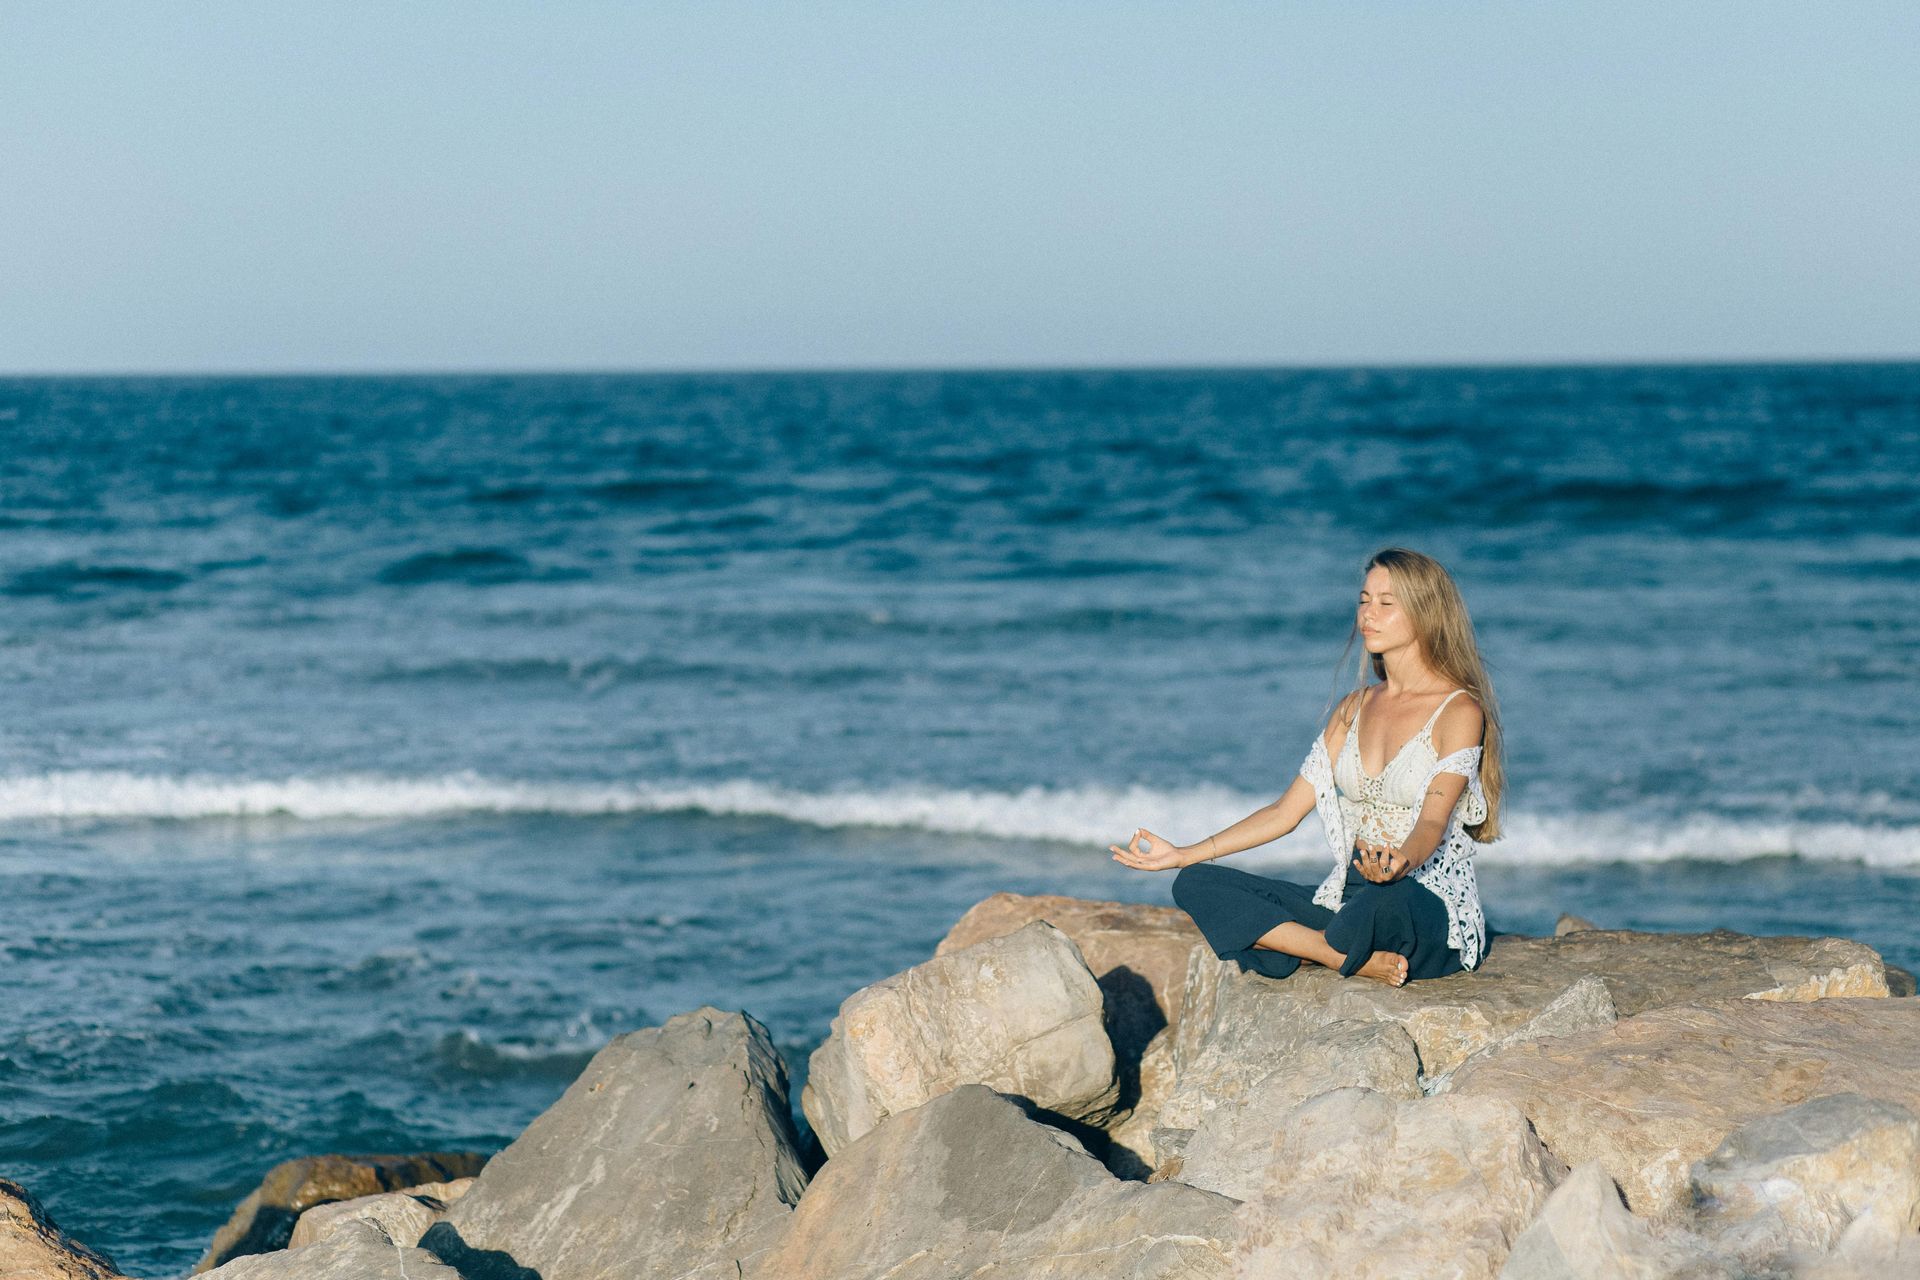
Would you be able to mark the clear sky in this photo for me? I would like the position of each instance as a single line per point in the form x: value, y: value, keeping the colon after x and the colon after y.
x: 422, y: 186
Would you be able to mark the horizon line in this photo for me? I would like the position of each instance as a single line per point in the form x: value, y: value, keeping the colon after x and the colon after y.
x: 857, y: 370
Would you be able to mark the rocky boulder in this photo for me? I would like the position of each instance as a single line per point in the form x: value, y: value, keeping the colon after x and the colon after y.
x: 1360, y: 1185
x: 969, y: 1184
x: 403, y: 1215
x: 673, y: 1154
x: 1136, y: 952
x: 359, y: 1250
x: 1503, y: 1001
x: 263, y: 1222
x: 1219, y: 1125
x: 1585, y: 1233
x: 1652, y: 1094
x: 33, y: 1248
x: 1837, y: 1168
x: 1019, y: 1013
x: 1138, y: 956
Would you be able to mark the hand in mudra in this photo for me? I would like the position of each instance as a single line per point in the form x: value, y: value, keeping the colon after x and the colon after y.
x: 1149, y: 852
x: 1380, y: 863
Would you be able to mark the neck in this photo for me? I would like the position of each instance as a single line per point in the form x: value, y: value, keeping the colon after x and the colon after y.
x: 1408, y: 673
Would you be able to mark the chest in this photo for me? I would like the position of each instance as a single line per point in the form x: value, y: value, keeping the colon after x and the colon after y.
x: 1397, y: 782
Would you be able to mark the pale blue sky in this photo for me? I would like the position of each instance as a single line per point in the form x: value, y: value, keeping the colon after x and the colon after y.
x: 292, y: 186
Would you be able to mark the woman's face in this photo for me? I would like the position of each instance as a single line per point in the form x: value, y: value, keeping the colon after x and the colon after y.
x: 1384, y: 625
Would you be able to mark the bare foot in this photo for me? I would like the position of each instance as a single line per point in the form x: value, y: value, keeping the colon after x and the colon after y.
x: 1389, y: 967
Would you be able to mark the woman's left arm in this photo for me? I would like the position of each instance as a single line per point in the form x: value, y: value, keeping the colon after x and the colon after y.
x: 1460, y: 726
x: 1435, y: 809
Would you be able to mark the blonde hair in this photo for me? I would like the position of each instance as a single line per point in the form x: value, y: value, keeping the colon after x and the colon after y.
x: 1444, y: 632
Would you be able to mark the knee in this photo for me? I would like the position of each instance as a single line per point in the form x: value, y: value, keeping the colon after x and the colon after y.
x: 1189, y: 879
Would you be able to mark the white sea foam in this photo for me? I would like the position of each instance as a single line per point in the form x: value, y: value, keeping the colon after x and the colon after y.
x: 1083, y: 815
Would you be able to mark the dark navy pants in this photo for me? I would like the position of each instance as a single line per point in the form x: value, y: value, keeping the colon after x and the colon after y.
x: 1234, y: 908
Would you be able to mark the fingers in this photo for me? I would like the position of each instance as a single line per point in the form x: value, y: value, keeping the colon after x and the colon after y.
x: 1145, y: 851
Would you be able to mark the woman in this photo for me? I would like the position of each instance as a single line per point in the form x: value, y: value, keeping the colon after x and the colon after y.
x: 1401, y: 901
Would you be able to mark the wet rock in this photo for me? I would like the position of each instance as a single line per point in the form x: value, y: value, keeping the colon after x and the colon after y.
x: 968, y: 1184
x: 1019, y: 1013
x: 1900, y: 981
x: 403, y: 1215
x: 1652, y: 1094
x: 1837, y: 1166
x: 263, y: 1222
x: 33, y: 1248
x: 1361, y: 1185
x: 1585, y: 1233
x: 1234, y: 1103
x: 673, y: 1154
x: 359, y: 1250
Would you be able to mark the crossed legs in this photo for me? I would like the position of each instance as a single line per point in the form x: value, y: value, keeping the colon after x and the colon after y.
x: 1236, y: 912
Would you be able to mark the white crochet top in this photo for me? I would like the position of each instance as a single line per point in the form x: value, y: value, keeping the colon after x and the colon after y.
x: 1353, y: 805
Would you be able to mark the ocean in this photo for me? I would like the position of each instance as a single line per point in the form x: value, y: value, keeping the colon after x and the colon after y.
x: 376, y: 748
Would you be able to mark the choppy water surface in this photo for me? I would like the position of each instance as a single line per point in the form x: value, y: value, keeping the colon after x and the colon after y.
x: 377, y: 748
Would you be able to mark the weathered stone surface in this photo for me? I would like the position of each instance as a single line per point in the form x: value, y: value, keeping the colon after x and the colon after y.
x: 1138, y: 955
x: 1235, y: 1105
x: 33, y: 1248
x: 1363, y: 1185
x: 969, y: 1185
x: 1019, y: 1013
x: 1133, y: 1134
x: 1570, y: 923
x: 1455, y: 1017
x: 1585, y: 1006
x: 1136, y: 952
x: 263, y: 1222
x: 359, y: 1250
x: 1653, y: 1093
x: 1811, y: 1174
x: 1586, y: 1233
x: 1899, y: 981
x: 403, y: 1215
x: 673, y: 1154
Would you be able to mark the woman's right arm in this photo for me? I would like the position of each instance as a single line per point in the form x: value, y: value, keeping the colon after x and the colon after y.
x: 1263, y: 825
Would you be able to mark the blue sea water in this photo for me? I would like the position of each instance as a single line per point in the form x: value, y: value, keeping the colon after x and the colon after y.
x: 374, y: 749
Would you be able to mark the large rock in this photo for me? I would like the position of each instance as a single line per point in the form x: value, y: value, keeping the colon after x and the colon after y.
x: 673, y: 1154
x: 1136, y: 952
x: 403, y: 1215
x: 263, y: 1222
x: 33, y: 1248
x: 1219, y: 1125
x: 1019, y: 1013
x: 1455, y: 1017
x: 1586, y: 1233
x: 1360, y: 1185
x: 969, y: 1185
x: 360, y: 1250
x: 1839, y: 1166
x: 1130, y: 1151
x: 1138, y: 955
x: 1652, y: 1094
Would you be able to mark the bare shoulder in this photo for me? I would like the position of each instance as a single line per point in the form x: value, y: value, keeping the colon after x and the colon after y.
x: 1461, y: 725
x: 1335, y: 733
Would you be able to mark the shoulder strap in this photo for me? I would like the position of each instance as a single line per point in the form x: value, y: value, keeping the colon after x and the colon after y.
x: 1442, y: 707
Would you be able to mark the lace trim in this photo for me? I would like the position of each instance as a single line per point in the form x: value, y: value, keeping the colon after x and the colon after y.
x: 1449, y: 872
